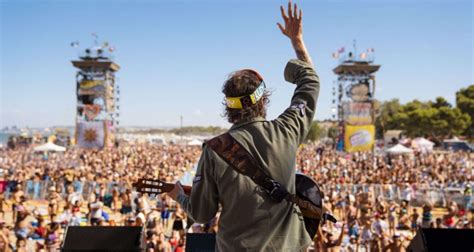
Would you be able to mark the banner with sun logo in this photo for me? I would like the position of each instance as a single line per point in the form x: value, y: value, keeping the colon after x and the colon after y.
x: 91, y: 134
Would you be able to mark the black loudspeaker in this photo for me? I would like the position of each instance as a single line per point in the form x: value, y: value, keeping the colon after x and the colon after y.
x: 200, y: 242
x: 431, y: 239
x: 103, y: 239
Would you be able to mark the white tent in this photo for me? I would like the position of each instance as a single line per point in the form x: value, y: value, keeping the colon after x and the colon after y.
x: 49, y: 147
x: 453, y: 140
x: 195, y: 142
x: 399, y: 149
x: 422, y: 144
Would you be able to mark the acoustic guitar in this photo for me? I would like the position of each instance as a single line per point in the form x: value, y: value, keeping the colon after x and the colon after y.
x: 306, y: 188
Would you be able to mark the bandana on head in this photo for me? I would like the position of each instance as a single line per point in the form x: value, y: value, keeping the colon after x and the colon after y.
x: 245, y: 101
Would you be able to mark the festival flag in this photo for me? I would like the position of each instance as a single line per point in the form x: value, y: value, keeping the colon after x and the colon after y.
x: 335, y: 55
x: 363, y: 55
x: 341, y: 50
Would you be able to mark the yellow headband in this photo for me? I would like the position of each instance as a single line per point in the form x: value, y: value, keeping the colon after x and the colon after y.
x: 241, y: 101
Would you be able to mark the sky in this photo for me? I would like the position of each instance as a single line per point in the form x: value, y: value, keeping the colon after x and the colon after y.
x: 175, y: 55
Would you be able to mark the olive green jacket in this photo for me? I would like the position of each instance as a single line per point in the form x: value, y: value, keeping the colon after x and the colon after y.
x: 250, y: 220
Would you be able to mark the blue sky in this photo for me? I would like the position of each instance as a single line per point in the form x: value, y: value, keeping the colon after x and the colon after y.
x: 175, y: 55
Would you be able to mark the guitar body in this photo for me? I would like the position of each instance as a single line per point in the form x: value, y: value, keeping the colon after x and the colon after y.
x: 308, y: 189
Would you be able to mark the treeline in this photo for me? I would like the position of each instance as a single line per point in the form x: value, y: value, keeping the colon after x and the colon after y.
x: 436, y: 119
x: 189, y: 130
x: 198, y: 130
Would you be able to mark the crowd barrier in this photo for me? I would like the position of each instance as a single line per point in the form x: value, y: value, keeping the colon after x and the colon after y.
x: 439, y: 197
x: 39, y: 190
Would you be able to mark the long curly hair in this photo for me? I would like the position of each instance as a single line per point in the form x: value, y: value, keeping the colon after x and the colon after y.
x: 240, y: 83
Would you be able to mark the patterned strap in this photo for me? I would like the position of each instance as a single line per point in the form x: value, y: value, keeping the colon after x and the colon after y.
x: 243, y: 162
x: 238, y: 158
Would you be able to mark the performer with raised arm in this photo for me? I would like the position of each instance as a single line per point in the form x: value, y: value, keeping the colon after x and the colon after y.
x: 253, y: 217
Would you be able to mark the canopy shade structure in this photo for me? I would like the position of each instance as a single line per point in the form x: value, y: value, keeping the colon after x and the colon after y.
x: 49, y: 147
x: 422, y: 144
x: 399, y: 149
x: 195, y: 142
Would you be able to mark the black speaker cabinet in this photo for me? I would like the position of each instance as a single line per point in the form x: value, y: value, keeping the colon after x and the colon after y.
x: 200, y: 242
x: 433, y: 240
x: 103, y: 239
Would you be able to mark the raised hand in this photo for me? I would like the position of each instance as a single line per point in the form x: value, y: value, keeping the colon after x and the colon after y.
x: 293, y: 28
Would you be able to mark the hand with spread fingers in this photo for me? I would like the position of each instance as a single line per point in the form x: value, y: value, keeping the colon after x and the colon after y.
x: 293, y: 28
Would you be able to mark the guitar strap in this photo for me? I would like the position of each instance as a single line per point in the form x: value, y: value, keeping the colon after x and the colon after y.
x: 243, y: 162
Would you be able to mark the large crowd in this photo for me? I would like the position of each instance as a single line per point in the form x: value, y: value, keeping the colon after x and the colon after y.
x: 373, y: 197
x: 381, y: 201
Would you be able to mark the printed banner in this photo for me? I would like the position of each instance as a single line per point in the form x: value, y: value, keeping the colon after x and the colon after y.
x: 86, y: 84
x: 91, y: 111
x: 90, y: 134
x: 359, y: 92
x: 357, y: 113
x: 359, y: 138
x: 98, y: 90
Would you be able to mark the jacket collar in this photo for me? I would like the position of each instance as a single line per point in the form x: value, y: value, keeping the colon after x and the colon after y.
x: 255, y: 119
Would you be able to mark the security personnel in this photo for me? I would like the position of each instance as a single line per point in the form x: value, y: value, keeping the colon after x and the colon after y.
x: 250, y: 220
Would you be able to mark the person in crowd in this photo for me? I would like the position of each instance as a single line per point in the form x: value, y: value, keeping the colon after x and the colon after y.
x: 328, y: 242
x: 22, y: 226
x: 54, y: 201
x: 414, y: 219
x: 427, y: 216
x: 21, y: 245
x: 52, y: 240
x: 126, y: 199
x: 5, y: 245
x: 96, y: 211
x: 18, y: 194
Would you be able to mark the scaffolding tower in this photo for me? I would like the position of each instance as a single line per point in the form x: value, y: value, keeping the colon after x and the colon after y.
x: 97, y: 92
x: 355, y: 89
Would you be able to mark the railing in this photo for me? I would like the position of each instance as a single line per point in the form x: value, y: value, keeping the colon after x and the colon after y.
x: 38, y: 190
x: 437, y: 196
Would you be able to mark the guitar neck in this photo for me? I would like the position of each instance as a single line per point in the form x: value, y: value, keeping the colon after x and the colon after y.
x: 167, y: 187
x: 152, y: 186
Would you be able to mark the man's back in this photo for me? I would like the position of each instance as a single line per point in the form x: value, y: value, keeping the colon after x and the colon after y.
x: 250, y: 220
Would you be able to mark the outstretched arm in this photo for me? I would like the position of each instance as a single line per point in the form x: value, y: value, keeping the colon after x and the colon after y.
x: 295, y: 122
x: 293, y: 29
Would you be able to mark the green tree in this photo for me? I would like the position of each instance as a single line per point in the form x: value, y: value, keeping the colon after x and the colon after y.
x: 441, y: 102
x: 385, y: 119
x: 465, y: 103
x: 315, y: 132
x: 435, y: 119
x: 451, y: 122
x: 333, y: 132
